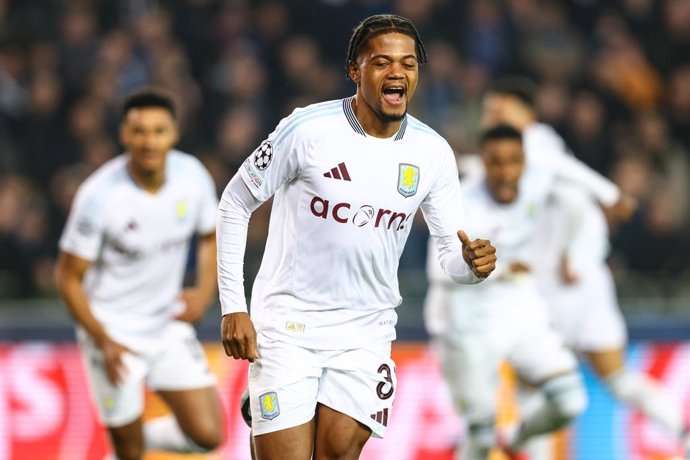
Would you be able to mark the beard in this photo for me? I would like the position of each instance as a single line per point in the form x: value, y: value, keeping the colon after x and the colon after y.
x: 390, y: 117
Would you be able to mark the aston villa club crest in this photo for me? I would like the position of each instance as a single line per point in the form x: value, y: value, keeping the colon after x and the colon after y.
x: 269, y: 405
x: 408, y: 179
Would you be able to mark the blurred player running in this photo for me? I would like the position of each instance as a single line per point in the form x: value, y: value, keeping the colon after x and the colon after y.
x: 476, y: 327
x: 580, y: 292
x: 122, y: 259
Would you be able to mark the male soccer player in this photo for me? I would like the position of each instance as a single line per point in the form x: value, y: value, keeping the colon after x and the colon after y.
x: 348, y: 177
x: 584, y: 311
x: 511, y: 101
x: 504, y: 318
x: 580, y: 292
x: 122, y: 259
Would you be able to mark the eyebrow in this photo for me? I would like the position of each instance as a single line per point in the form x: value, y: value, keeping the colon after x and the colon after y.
x: 386, y: 56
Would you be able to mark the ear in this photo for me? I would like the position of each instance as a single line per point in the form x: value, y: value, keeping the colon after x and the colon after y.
x: 122, y: 134
x: 354, y: 72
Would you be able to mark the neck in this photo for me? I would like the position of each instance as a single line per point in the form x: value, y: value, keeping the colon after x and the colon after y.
x: 151, y: 181
x: 371, y: 122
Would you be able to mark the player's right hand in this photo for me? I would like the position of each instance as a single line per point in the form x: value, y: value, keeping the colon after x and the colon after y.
x: 112, y: 359
x: 239, y: 336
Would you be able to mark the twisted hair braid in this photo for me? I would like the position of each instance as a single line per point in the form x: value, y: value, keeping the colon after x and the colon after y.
x: 380, y: 24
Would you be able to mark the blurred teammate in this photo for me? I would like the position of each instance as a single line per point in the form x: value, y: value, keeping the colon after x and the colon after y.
x: 122, y: 259
x: 511, y: 101
x: 504, y: 318
x: 586, y: 311
x: 348, y: 176
x: 578, y: 286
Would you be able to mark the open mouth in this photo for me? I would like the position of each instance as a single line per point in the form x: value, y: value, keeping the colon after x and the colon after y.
x: 394, y: 94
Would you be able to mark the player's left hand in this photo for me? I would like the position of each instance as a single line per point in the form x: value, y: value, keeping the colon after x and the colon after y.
x: 479, y: 254
x: 568, y: 276
x: 196, y: 303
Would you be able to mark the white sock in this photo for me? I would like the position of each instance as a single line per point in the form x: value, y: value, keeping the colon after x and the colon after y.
x: 530, y: 400
x: 481, y: 437
x: 644, y: 394
x: 163, y: 433
x: 565, y: 399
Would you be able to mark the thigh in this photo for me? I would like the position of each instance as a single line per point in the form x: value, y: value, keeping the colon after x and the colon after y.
x: 198, y: 412
x: 179, y: 362
x: 117, y: 405
x: 283, y: 386
x: 540, y: 353
x: 470, y: 365
x: 602, y: 325
x: 294, y: 443
x: 360, y: 384
x: 338, y: 435
x: 128, y: 440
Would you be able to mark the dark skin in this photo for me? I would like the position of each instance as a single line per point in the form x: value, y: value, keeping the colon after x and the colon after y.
x: 506, y: 108
x: 148, y: 134
x: 386, y: 73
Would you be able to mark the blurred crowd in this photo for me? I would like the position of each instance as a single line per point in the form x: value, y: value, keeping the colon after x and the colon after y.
x: 614, y: 80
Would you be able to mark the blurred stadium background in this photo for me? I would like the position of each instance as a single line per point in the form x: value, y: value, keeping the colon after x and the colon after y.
x: 614, y: 80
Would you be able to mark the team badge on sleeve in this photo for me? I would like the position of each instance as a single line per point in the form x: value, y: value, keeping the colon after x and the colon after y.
x: 269, y: 405
x: 408, y: 179
x: 263, y: 155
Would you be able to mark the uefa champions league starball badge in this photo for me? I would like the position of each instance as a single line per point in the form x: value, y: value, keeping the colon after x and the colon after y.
x: 263, y: 155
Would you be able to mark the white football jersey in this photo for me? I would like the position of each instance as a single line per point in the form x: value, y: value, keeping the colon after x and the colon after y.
x: 138, y: 241
x: 343, y: 209
x: 511, y: 228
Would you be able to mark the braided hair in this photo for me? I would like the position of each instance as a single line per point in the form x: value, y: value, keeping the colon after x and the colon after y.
x: 380, y: 24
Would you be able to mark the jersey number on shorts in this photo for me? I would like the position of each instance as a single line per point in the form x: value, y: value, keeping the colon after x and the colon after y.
x: 382, y: 393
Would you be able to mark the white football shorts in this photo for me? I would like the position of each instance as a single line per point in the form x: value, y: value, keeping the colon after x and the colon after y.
x: 586, y: 314
x: 288, y: 381
x: 174, y: 360
x: 513, y: 327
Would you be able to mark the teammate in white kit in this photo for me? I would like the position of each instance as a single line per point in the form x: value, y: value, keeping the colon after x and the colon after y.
x: 580, y: 292
x: 475, y: 328
x: 348, y: 177
x: 122, y: 259
x: 579, y: 288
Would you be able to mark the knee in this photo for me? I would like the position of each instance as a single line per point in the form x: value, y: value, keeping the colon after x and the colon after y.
x: 206, y: 438
x: 566, y: 393
x: 340, y: 445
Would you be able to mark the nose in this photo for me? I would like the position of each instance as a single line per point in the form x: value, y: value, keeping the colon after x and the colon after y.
x: 395, y: 71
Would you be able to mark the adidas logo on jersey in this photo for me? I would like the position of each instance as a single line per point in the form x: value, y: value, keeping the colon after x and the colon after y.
x: 339, y: 172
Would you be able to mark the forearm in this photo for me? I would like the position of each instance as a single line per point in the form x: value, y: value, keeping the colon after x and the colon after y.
x: 207, y: 267
x: 236, y: 206
x: 605, y: 191
x: 72, y: 293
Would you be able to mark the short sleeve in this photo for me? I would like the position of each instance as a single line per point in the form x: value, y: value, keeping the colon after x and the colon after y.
x: 208, y: 202
x: 275, y: 161
x: 83, y: 232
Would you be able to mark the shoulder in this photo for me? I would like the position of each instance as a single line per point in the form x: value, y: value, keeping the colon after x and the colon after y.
x: 539, y: 133
x: 97, y: 190
x: 418, y: 129
x: 185, y: 167
x: 109, y: 176
x: 309, y: 120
